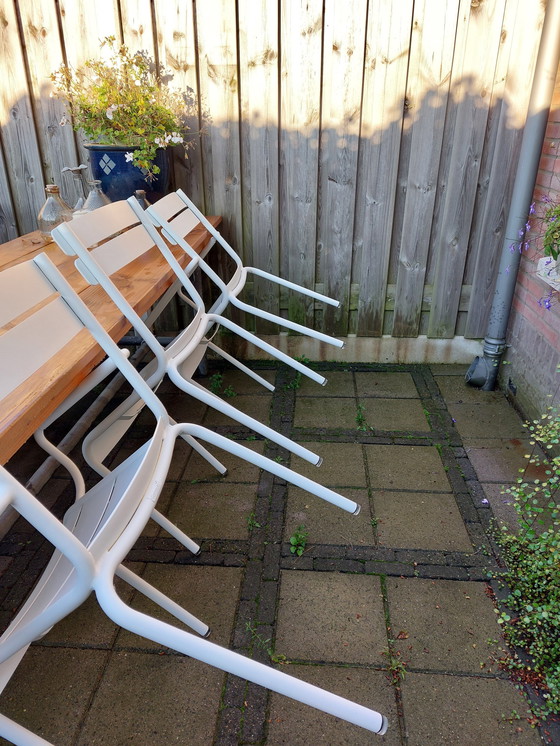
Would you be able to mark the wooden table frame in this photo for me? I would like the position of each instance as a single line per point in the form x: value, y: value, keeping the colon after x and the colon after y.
x: 143, y: 282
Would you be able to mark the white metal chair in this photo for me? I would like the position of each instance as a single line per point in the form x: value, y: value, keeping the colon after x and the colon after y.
x: 177, y: 216
x: 101, y: 527
x: 107, y: 240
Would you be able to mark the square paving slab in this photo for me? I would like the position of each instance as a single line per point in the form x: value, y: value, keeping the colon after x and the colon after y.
x: 464, y: 710
x: 331, y: 617
x: 420, y: 520
x: 443, y: 625
x: 327, y: 524
x: 397, y: 467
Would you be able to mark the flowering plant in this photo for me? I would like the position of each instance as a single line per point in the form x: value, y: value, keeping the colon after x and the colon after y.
x: 126, y: 100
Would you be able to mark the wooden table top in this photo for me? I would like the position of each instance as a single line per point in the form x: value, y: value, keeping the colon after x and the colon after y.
x: 142, y: 282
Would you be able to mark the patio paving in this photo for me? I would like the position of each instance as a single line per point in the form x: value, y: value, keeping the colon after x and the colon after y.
x: 402, y: 584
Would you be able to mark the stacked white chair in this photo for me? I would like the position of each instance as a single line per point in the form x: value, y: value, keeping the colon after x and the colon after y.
x: 108, y: 239
x: 101, y: 527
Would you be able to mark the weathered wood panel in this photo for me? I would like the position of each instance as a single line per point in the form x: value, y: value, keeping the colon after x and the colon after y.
x: 476, y: 49
x: 385, y: 69
x: 431, y: 57
x: 216, y: 36
x: 365, y: 148
x: 19, y: 138
x: 258, y: 58
x: 343, y: 63
x: 300, y: 100
x: 57, y: 144
x: 177, y: 52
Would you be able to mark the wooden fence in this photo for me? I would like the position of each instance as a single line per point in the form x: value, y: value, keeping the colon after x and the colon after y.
x: 364, y: 147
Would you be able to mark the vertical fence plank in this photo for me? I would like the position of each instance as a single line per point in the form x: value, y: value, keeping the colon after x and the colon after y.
x: 137, y: 26
x: 21, y: 151
x: 258, y: 65
x: 473, y: 72
x: 300, y: 100
x: 217, y: 45
x: 343, y: 60
x: 44, y: 55
x: 8, y: 224
x: 427, y: 92
x: 385, y: 71
x: 177, y: 52
x: 522, y: 30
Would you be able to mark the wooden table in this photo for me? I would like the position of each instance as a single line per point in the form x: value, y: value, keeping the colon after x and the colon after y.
x: 143, y: 282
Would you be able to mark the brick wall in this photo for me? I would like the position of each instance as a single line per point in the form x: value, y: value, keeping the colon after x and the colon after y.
x: 529, y: 367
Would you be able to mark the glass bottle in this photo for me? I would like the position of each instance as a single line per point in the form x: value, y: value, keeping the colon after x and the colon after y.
x: 54, y: 211
x: 96, y: 198
x: 140, y: 195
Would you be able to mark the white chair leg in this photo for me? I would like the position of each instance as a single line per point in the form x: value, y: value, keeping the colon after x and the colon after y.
x: 175, y: 532
x: 162, y: 600
x: 244, y: 368
x: 199, y: 392
x: 16, y: 733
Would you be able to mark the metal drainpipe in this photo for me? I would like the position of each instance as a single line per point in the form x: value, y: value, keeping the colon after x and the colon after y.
x: 483, y: 371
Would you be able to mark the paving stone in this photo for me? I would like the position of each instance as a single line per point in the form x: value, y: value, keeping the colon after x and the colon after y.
x: 448, y: 623
x: 327, y: 524
x: 463, y: 710
x: 340, y: 383
x: 399, y: 415
x: 330, y: 617
x: 162, y: 699
x: 422, y: 520
x: 406, y: 468
x: 487, y: 420
x: 456, y: 390
x: 326, y: 412
x: 50, y: 691
x: 503, y: 460
x: 210, y: 593
x: 213, y: 510
x: 343, y: 465
x: 502, y: 505
x: 257, y: 407
x: 294, y: 724
x: 381, y: 384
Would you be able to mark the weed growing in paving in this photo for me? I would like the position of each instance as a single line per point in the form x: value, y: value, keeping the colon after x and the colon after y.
x: 361, y: 423
x: 252, y: 521
x: 216, y: 383
x: 263, y: 644
x: 395, y: 666
x: 298, y: 541
x: 295, y: 383
x: 531, y: 619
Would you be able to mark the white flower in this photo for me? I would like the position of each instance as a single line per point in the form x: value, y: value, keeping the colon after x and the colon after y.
x: 159, y: 141
x: 128, y: 157
x: 176, y: 137
x: 110, y: 110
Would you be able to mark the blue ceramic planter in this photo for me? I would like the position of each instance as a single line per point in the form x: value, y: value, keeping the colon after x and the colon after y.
x: 120, y: 179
